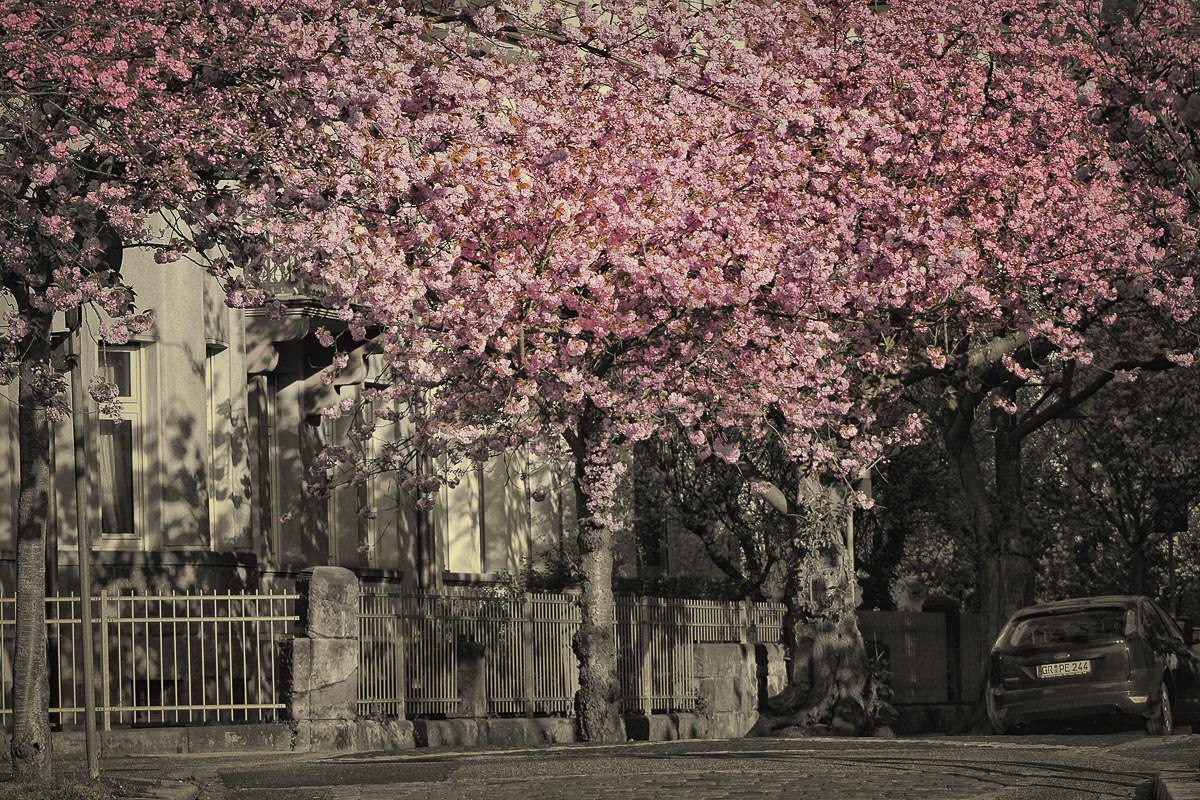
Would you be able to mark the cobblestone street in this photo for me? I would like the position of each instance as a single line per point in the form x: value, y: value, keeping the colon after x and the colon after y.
x: 941, y: 768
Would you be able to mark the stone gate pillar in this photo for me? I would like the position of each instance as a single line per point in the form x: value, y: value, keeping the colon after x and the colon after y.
x: 324, y: 656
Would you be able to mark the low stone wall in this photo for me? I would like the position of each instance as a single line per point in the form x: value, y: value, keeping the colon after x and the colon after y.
x: 676, y: 726
x: 728, y: 678
x: 353, y: 736
x: 521, y: 732
x: 270, y: 737
x: 512, y: 732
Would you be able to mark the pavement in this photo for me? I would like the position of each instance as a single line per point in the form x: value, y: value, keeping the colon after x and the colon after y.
x: 1048, y: 767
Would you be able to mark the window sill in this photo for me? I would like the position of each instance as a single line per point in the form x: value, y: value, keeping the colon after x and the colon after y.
x: 476, y: 578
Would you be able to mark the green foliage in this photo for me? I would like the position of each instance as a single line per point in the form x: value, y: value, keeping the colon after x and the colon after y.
x: 1108, y: 490
x: 877, y: 693
x: 554, y: 574
x: 681, y: 586
x: 941, y: 562
x: 917, y: 530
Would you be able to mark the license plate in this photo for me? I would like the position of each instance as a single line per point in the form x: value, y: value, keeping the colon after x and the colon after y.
x: 1064, y: 669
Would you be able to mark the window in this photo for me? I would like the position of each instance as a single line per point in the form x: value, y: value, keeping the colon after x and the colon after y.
x: 462, y: 521
x: 1066, y: 627
x: 216, y: 385
x: 484, y: 521
x: 120, y: 441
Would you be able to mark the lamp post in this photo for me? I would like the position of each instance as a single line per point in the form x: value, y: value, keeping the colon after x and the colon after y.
x: 79, y: 425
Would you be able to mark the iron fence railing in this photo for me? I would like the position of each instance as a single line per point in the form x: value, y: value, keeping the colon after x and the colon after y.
x: 162, y: 658
x: 194, y: 658
x: 409, y: 648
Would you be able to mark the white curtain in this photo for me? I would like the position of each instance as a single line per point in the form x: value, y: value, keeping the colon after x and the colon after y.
x: 116, y: 476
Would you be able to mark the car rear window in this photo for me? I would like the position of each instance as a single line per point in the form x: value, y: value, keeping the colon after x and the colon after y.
x: 1069, y: 626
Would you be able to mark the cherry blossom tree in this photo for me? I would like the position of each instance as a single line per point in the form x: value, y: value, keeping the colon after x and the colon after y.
x: 650, y: 278
x: 572, y: 226
x: 522, y: 229
x: 747, y: 220
x: 138, y: 123
x: 1135, y: 73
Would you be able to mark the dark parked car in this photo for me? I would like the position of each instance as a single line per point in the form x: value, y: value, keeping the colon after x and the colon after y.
x: 1095, y: 656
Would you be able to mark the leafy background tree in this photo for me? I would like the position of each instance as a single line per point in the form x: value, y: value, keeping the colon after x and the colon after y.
x: 1114, y: 486
x: 917, y: 530
x: 108, y: 141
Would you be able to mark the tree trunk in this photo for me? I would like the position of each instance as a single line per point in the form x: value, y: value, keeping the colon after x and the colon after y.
x: 1006, y: 569
x: 828, y: 676
x: 828, y: 664
x: 31, y: 721
x: 1014, y: 565
x: 597, y: 703
x: 1137, y: 569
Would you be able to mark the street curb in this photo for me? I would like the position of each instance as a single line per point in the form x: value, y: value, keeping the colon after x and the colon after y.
x: 1175, y: 787
x: 172, y: 791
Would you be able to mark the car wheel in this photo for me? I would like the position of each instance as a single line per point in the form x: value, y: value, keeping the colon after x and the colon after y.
x: 1161, y: 721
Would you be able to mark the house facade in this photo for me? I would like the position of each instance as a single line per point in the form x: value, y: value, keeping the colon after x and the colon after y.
x: 200, y: 485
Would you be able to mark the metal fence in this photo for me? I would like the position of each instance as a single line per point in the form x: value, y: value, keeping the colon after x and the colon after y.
x: 191, y: 658
x: 162, y: 659
x: 409, y: 649
x: 656, y: 638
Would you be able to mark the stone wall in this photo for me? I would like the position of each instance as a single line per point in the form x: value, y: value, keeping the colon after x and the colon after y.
x: 323, y: 658
x: 734, y: 681
x: 728, y: 678
x: 321, y: 669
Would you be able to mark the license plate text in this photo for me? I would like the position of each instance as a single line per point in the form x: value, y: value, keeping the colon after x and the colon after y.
x: 1064, y: 669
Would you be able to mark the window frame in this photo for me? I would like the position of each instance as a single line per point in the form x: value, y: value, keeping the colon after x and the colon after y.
x: 133, y: 408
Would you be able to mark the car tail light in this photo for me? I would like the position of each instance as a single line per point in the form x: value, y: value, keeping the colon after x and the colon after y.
x: 1126, y: 669
x: 1003, y: 669
x: 1113, y: 664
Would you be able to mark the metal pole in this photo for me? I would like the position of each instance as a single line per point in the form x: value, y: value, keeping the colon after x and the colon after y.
x: 1172, y: 598
x: 79, y: 422
x: 54, y: 632
x: 850, y: 541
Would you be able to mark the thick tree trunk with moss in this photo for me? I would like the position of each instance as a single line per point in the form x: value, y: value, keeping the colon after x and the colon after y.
x: 828, y: 665
x: 31, y: 721
x: 829, y: 679
x: 597, y: 703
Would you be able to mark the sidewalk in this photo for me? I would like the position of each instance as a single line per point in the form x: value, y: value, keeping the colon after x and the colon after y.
x: 1177, y: 787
